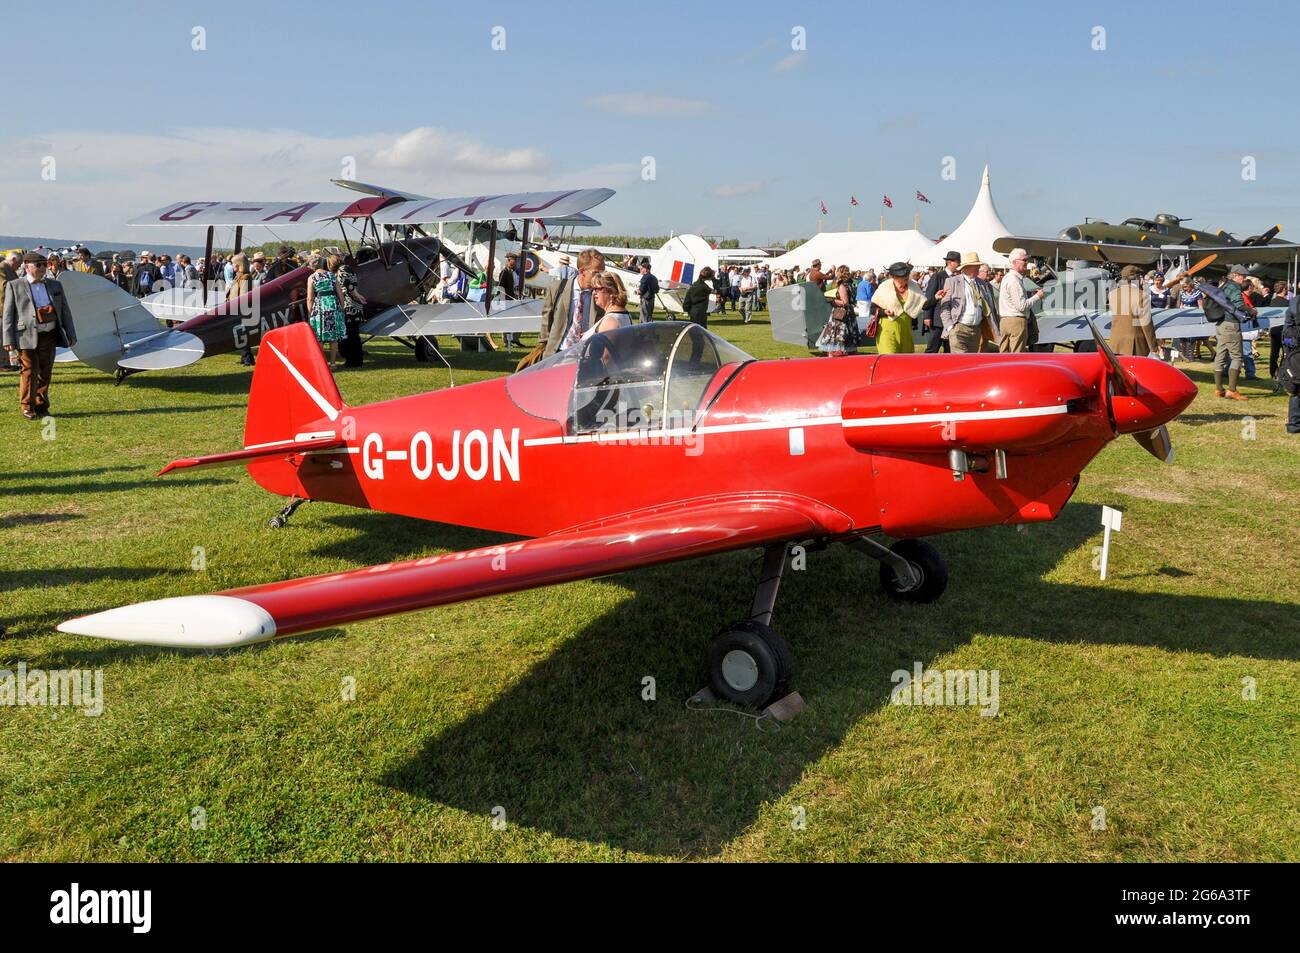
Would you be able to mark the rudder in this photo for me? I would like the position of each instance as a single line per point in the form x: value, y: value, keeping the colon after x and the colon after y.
x: 292, y: 387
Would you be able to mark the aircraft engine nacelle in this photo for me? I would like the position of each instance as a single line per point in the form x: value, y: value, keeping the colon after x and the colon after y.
x: 977, y: 409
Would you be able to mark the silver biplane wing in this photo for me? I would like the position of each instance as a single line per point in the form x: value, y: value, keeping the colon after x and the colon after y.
x: 458, y: 318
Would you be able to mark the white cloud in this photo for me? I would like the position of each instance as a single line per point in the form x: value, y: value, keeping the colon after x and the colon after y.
x: 649, y: 104
x: 105, y: 179
x: 735, y: 190
x: 790, y: 62
x: 427, y: 148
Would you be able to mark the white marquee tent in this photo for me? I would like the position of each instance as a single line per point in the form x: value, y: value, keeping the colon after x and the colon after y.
x: 977, y: 232
x: 858, y: 250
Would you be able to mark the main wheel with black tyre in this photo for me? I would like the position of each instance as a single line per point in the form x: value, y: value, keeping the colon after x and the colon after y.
x: 926, y: 561
x: 749, y: 664
x: 425, y: 350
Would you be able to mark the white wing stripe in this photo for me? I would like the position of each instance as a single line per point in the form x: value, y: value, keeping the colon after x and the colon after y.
x: 331, y: 412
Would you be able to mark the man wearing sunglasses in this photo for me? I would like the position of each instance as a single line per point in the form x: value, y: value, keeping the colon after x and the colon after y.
x: 37, y: 320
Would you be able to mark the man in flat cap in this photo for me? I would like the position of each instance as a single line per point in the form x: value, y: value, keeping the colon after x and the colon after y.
x: 37, y: 320
x: 1227, y: 349
x: 1131, y: 330
x: 931, y: 326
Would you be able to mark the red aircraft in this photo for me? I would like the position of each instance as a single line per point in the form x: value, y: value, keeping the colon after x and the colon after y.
x: 712, y: 451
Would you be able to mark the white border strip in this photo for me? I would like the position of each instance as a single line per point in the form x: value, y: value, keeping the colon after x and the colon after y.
x: 1011, y: 413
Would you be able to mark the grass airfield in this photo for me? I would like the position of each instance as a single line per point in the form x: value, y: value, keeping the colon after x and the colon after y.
x: 514, y: 728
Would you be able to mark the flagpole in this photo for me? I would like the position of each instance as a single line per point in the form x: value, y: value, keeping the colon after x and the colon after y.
x: 850, y: 228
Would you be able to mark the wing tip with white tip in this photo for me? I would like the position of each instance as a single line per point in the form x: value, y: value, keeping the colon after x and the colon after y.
x: 197, y: 622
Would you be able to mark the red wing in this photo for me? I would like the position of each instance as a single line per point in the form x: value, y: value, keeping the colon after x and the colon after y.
x: 663, y: 534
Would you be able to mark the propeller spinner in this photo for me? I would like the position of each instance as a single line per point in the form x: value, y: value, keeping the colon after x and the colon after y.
x: 1138, y: 401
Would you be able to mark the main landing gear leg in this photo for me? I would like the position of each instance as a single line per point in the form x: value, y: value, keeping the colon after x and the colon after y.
x: 911, y: 570
x: 281, y: 518
x: 749, y: 664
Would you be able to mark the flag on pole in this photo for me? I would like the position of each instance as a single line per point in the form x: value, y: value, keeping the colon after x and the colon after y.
x: 887, y: 203
x: 824, y: 208
x: 921, y: 197
x: 853, y: 200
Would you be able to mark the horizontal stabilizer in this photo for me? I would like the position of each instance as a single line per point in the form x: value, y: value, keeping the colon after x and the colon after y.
x: 160, y: 352
x: 325, y: 440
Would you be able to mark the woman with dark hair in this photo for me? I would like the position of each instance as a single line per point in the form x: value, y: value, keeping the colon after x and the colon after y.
x: 899, y: 301
x: 696, y: 301
x: 840, y: 333
x: 345, y: 276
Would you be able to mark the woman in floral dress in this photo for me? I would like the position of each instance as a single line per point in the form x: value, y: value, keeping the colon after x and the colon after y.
x: 325, y: 308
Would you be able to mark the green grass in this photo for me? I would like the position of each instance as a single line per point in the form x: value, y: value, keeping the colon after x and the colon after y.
x: 1125, y: 695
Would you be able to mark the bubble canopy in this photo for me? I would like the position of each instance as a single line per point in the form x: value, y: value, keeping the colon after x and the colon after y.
x: 646, y: 375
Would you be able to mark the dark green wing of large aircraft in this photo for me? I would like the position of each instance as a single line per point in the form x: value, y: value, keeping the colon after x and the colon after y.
x: 1066, y: 250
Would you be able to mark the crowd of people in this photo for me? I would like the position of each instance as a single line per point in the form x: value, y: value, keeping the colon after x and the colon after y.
x: 966, y: 306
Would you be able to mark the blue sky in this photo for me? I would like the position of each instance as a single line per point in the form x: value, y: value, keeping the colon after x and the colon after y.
x: 747, y: 134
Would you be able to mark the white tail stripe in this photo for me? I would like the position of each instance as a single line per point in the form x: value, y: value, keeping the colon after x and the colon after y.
x: 330, y: 412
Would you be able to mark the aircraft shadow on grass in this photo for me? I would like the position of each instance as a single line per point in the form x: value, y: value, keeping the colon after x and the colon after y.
x: 137, y: 411
x: 110, y: 486
x: 572, y: 748
x: 48, y: 577
x: 14, y: 520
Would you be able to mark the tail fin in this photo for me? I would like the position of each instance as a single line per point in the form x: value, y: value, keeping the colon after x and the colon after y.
x: 292, y: 387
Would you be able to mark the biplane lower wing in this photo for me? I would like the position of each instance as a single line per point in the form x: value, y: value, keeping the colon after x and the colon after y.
x: 663, y: 534
x: 431, y: 320
x: 1170, y: 324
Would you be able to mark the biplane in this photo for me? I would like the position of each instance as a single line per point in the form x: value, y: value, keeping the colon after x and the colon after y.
x: 713, y: 451
x: 398, y: 261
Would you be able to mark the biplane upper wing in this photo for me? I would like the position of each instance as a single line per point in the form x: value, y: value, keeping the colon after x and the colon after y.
x: 484, y: 208
x: 245, y: 214
x: 662, y: 534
